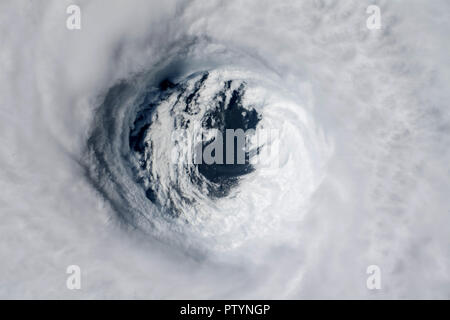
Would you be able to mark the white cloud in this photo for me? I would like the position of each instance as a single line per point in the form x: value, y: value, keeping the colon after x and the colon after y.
x: 379, y: 95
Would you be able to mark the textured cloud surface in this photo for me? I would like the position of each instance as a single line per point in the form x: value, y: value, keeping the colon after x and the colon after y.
x: 369, y: 186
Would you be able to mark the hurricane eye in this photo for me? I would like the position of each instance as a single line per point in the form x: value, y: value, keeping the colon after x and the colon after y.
x: 192, y: 152
x: 216, y: 126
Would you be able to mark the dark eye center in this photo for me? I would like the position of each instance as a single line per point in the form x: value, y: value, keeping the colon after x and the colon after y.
x: 228, y: 115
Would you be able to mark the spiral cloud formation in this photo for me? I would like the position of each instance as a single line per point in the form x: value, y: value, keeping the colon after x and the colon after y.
x: 225, y: 149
